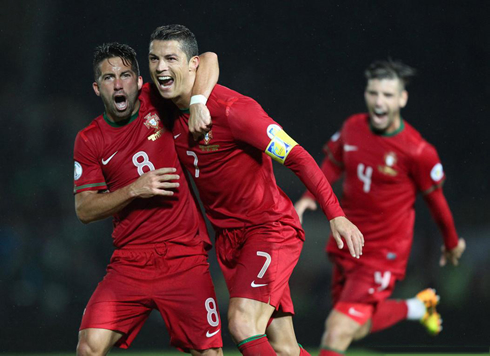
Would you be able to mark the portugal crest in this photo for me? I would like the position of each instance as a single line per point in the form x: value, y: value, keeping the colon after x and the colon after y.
x: 152, y: 121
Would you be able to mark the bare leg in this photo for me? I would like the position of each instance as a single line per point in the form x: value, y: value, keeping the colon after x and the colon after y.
x: 96, y: 342
x: 340, y: 331
x: 281, y: 335
x: 208, y: 352
x: 247, y: 318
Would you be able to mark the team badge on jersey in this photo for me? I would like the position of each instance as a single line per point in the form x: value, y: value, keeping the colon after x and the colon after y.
x: 152, y: 121
x: 78, y: 171
x: 390, y: 161
x: 437, y: 172
x: 208, y: 137
x: 280, y: 145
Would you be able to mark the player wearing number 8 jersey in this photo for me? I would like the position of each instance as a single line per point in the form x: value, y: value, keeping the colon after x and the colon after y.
x: 126, y: 166
x: 258, y: 234
x: 386, y: 162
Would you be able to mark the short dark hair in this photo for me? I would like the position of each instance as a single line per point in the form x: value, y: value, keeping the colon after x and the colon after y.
x: 179, y: 33
x: 112, y: 50
x: 390, y: 69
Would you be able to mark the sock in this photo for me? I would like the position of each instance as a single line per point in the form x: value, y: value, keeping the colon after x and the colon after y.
x: 330, y: 352
x: 256, y: 345
x: 302, y: 351
x: 387, y: 313
x: 416, y: 309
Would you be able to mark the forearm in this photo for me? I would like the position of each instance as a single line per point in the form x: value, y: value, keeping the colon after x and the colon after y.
x: 331, y: 171
x: 92, y: 206
x: 207, y: 74
x: 441, y: 213
x: 305, y: 167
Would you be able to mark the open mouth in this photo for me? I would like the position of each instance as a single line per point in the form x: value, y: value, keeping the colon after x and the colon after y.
x: 165, y: 81
x: 121, y: 102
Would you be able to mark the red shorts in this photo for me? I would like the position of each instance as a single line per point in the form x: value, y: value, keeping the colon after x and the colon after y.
x: 258, y: 261
x: 355, y: 283
x: 173, y: 279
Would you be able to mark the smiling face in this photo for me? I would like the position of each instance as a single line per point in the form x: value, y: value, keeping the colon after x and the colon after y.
x: 171, y: 71
x: 384, y: 100
x: 118, y: 86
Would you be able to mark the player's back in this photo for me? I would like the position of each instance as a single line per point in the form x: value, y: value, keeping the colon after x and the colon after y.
x: 111, y: 156
x: 233, y: 174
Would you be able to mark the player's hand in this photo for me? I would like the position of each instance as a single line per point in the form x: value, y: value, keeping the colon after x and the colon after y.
x: 453, y: 255
x: 341, y: 227
x: 199, y: 120
x: 304, y: 204
x: 157, y: 182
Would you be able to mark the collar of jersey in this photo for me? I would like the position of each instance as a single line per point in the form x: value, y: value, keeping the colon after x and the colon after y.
x: 396, y: 132
x: 185, y: 111
x: 124, y: 122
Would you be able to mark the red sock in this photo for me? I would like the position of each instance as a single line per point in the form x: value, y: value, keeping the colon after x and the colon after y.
x: 256, y: 346
x: 303, y: 352
x: 388, y: 313
x: 325, y: 352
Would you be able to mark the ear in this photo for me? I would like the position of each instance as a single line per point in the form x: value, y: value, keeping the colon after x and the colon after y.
x: 403, y: 99
x: 194, y: 63
x: 95, y: 86
x: 140, y: 82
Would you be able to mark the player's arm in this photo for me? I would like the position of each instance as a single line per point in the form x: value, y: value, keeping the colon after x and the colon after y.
x: 453, y: 247
x: 332, y: 171
x: 206, y: 78
x: 92, y: 205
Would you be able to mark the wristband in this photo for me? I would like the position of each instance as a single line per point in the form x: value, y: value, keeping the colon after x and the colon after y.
x: 198, y: 99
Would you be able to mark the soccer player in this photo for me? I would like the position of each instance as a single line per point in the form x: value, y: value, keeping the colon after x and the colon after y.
x: 258, y: 234
x: 126, y: 166
x: 386, y: 162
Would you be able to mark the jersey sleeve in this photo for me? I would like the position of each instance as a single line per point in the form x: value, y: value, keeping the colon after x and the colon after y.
x: 88, y: 172
x: 332, y: 165
x: 427, y: 169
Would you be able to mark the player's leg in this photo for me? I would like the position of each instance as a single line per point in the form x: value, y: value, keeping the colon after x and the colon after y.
x: 184, y: 295
x: 116, y: 311
x: 96, y: 342
x: 281, y: 335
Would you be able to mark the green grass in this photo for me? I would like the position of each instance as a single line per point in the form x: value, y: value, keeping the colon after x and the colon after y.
x: 234, y: 352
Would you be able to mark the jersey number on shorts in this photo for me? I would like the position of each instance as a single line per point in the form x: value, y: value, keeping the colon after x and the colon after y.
x: 210, y: 305
x: 365, y: 173
x: 193, y: 154
x: 266, y: 263
x: 141, y: 160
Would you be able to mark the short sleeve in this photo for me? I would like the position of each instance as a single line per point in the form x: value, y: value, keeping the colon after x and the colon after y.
x: 333, y: 149
x: 87, y: 171
x: 427, y: 169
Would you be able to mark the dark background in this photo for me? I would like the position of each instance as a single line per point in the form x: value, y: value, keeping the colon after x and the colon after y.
x: 304, y: 62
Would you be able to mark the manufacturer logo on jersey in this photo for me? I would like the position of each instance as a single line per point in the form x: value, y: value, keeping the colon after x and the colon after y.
x: 256, y: 285
x: 272, y: 130
x: 208, y: 334
x: 152, y: 121
x: 355, y: 312
x: 390, y: 162
x: 437, y: 172
x: 177, y: 136
x: 349, y: 148
x: 78, y: 171
x: 208, y: 137
x: 104, y: 162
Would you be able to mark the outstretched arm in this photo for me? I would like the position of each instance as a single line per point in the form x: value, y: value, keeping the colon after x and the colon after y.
x: 453, y: 247
x: 93, y: 205
x: 206, y: 79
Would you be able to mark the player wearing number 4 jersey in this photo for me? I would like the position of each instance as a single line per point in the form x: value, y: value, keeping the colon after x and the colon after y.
x: 386, y: 162
x: 258, y: 234
x: 126, y: 166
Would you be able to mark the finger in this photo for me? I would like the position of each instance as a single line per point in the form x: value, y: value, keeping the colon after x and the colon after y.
x: 338, y: 240
x: 168, y: 186
x: 164, y: 170
x: 165, y: 177
x: 350, y: 245
x: 442, y: 260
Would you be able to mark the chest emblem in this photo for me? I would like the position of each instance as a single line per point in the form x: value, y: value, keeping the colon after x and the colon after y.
x: 206, y: 140
x: 390, y: 161
x: 152, y: 121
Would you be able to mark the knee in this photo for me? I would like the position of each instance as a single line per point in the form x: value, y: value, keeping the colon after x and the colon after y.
x: 84, y: 348
x: 336, y: 331
x: 286, y: 349
x: 240, y: 327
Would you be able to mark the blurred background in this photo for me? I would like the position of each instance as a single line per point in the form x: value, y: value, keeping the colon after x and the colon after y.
x: 304, y: 62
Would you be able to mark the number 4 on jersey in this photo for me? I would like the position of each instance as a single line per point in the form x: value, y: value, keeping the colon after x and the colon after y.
x: 365, y: 173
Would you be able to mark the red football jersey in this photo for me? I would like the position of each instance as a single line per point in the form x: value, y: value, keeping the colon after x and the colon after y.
x: 383, y: 174
x: 234, y: 176
x: 109, y: 156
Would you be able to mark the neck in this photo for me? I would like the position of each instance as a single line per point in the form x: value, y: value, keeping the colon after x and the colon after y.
x: 183, y: 101
x: 118, y: 120
x: 394, y: 126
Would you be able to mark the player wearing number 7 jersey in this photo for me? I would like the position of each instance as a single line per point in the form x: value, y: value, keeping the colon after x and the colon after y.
x: 386, y: 162
x: 258, y: 235
x: 126, y: 166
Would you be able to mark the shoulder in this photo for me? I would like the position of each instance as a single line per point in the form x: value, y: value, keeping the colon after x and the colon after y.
x: 360, y: 119
x: 92, y: 131
x: 415, y: 143
x: 223, y: 98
